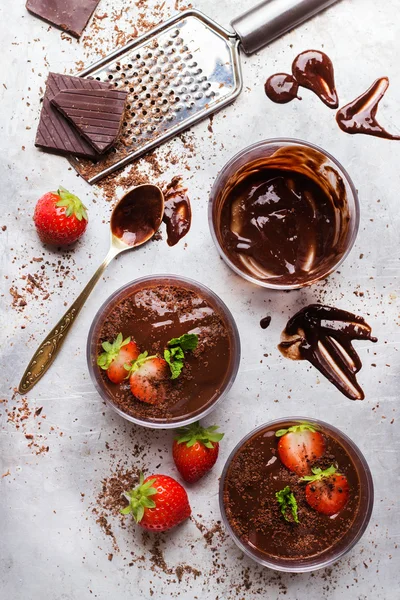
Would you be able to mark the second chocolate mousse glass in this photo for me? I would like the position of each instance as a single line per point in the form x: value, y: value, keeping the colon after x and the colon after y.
x: 303, y: 236
x: 152, y: 310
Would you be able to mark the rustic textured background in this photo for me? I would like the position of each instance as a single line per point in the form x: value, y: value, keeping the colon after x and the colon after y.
x: 53, y: 463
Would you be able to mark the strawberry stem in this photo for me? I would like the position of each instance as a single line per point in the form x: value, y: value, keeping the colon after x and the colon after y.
x: 136, y: 364
x: 111, y: 351
x: 196, y: 433
x: 295, y: 428
x: 139, y: 499
x: 318, y: 474
x: 72, y: 204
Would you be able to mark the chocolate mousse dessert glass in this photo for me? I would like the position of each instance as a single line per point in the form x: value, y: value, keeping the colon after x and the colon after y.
x: 296, y: 494
x: 163, y: 350
x: 283, y: 213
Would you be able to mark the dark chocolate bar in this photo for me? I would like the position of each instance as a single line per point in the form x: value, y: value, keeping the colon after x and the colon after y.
x: 70, y: 15
x: 55, y: 133
x: 96, y: 114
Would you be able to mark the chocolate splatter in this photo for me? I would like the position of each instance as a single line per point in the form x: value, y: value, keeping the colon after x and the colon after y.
x: 323, y: 335
x: 359, y: 116
x: 265, y: 322
x: 177, y: 211
x: 313, y: 70
x: 281, y: 88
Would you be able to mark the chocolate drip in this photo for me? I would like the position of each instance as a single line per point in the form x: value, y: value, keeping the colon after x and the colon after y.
x: 177, y: 212
x: 281, y: 88
x: 323, y: 335
x: 313, y: 70
x: 137, y: 215
x: 265, y: 322
x: 359, y: 116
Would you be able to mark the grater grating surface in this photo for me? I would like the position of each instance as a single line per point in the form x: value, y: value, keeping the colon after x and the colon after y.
x: 176, y: 75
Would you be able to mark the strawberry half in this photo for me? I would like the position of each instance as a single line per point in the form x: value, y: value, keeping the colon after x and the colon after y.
x: 158, y: 503
x: 327, y: 491
x: 60, y: 217
x: 116, y: 355
x: 147, y: 378
x: 195, y: 450
x: 299, y: 446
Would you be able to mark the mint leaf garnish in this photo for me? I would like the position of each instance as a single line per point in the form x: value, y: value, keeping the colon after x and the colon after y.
x: 287, y: 501
x: 175, y: 353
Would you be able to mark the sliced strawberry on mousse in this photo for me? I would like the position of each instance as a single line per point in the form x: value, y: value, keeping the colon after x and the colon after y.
x: 117, y: 354
x: 299, y: 446
x: 327, y: 491
x: 147, y: 378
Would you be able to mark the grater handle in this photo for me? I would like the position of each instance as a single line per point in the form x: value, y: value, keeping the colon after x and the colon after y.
x: 272, y: 18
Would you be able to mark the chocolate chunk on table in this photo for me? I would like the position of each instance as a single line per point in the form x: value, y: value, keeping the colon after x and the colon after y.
x: 70, y: 15
x: 55, y: 133
x: 96, y: 114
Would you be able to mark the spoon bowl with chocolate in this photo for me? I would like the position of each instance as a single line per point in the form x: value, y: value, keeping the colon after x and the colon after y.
x: 296, y: 494
x: 163, y: 351
x: 283, y: 213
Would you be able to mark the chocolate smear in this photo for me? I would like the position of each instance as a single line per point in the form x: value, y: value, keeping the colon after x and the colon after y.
x: 359, y: 116
x: 313, y: 70
x: 70, y: 15
x: 177, y: 211
x: 265, y: 322
x: 323, y: 335
x: 96, y: 114
x: 281, y: 88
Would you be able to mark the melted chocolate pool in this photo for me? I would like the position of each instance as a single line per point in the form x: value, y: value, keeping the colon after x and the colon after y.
x: 154, y: 313
x: 254, y: 476
x: 284, y: 217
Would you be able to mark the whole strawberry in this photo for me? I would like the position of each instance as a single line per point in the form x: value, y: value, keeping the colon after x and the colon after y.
x: 60, y: 218
x: 158, y: 503
x: 195, y: 450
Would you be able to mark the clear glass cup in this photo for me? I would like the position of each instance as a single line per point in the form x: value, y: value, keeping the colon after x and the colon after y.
x: 360, y: 523
x: 328, y: 168
x: 126, y: 290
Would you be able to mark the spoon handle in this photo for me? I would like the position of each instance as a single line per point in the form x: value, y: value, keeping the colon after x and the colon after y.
x: 49, y: 348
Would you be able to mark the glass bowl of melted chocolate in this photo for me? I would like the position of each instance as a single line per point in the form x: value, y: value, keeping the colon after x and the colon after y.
x: 163, y: 351
x: 296, y: 494
x: 283, y: 213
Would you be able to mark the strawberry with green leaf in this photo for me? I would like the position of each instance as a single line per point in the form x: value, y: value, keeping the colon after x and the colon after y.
x: 327, y: 491
x: 175, y: 353
x: 288, y: 504
x: 60, y: 218
x: 116, y: 354
x: 158, y: 503
x: 147, y: 377
x: 195, y: 450
x: 299, y: 446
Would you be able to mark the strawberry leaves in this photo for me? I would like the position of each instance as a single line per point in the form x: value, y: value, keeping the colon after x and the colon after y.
x: 287, y: 502
x: 72, y: 204
x: 136, y: 364
x: 175, y: 353
x: 111, y: 351
x: 195, y: 433
x: 318, y: 474
x: 296, y: 428
x: 139, y: 499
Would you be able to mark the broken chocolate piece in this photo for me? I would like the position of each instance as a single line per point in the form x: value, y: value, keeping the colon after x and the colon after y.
x: 323, y: 335
x: 70, y: 15
x: 55, y: 133
x: 96, y: 114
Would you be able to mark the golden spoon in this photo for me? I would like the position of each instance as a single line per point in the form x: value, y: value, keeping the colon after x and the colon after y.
x: 134, y: 221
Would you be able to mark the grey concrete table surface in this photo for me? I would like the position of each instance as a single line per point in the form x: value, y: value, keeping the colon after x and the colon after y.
x: 51, y: 546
